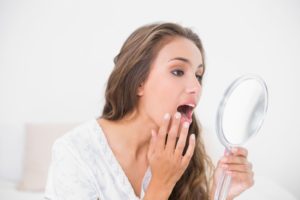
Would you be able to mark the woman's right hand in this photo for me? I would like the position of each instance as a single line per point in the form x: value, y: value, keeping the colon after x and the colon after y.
x: 166, y: 158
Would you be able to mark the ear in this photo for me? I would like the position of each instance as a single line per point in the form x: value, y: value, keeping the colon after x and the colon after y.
x: 140, y: 90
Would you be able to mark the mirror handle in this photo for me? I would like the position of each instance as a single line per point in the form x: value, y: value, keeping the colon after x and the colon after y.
x: 223, y: 185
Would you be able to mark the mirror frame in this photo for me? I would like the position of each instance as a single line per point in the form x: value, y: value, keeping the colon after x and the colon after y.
x: 226, y: 96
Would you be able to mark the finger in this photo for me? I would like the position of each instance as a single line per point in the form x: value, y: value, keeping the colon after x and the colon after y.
x: 233, y: 160
x: 246, y: 179
x: 190, y: 151
x: 172, y: 135
x: 182, y: 139
x: 241, y: 175
x: 162, y: 133
x: 152, y: 142
x: 239, y: 151
x: 237, y: 168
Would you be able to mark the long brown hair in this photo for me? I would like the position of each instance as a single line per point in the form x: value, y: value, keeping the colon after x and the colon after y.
x: 132, y: 66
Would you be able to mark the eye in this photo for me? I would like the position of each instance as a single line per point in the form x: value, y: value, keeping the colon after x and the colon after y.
x: 177, y: 72
x: 199, y: 78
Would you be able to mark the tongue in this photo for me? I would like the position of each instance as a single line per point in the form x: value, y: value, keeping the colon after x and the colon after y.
x: 184, y: 110
x: 184, y: 114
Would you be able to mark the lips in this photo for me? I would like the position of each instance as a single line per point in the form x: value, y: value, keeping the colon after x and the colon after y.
x: 186, y: 111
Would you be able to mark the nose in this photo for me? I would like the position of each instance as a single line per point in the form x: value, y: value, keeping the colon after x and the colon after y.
x: 193, y: 86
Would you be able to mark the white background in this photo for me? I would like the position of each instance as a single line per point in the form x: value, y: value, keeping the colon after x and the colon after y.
x: 56, y: 55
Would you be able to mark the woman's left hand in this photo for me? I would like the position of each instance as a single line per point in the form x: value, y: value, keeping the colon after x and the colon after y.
x: 239, y: 168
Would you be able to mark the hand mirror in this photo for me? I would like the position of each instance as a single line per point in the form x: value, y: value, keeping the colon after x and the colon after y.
x: 240, y: 116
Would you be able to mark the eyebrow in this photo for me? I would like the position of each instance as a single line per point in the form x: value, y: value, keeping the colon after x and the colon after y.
x: 184, y: 60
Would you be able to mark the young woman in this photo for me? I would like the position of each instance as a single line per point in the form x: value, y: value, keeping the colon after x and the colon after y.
x: 147, y: 144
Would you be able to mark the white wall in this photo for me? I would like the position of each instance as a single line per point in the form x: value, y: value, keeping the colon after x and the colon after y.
x: 55, y: 57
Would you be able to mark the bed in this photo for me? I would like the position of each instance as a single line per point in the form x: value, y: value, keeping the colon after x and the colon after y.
x: 37, y: 156
x: 8, y: 191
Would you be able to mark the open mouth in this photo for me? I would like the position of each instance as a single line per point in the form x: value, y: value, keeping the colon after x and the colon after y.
x: 186, y: 111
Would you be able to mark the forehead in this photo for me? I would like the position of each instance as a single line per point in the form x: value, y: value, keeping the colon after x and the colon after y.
x: 179, y: 47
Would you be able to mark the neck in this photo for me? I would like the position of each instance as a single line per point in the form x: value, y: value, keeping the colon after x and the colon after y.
x: 132, y: 133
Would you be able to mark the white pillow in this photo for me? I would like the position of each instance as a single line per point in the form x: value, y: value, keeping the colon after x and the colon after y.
x: 39, y: 140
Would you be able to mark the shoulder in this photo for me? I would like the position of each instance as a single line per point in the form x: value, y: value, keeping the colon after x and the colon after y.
x: 78, y: 135
x: 73, y: 172
x: 79, y: 141
x: 82, y: 142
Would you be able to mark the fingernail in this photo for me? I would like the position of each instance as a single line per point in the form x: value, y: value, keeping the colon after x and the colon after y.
x: 229, y: 172
x: 224, y: 166
x: 193, y: 137
x: 186, y: 124
x: 167, y: 116
x: 227, y: 153
x: 234, y: 150
x: 177, y: 115
x: 224, y: 159
x: 152, y: 133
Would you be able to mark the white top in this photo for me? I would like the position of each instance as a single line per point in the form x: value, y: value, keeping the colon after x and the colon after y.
x: 84, y: 167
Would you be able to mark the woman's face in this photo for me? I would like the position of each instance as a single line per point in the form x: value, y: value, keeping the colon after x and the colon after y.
x: 173, y: 83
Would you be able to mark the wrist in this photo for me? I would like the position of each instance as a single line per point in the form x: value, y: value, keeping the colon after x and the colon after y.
x: 156, y: 191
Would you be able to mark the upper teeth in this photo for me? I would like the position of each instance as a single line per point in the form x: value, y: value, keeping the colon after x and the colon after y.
x: 191, y: 105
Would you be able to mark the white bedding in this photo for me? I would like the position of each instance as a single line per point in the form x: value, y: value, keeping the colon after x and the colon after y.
x: 264, y: 189
x: 8, y: 191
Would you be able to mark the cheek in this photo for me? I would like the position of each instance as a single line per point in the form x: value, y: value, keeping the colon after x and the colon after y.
x: 155, y: 98
x: 163, y: 90
x: 160, y: 98
x: 161, y: 95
